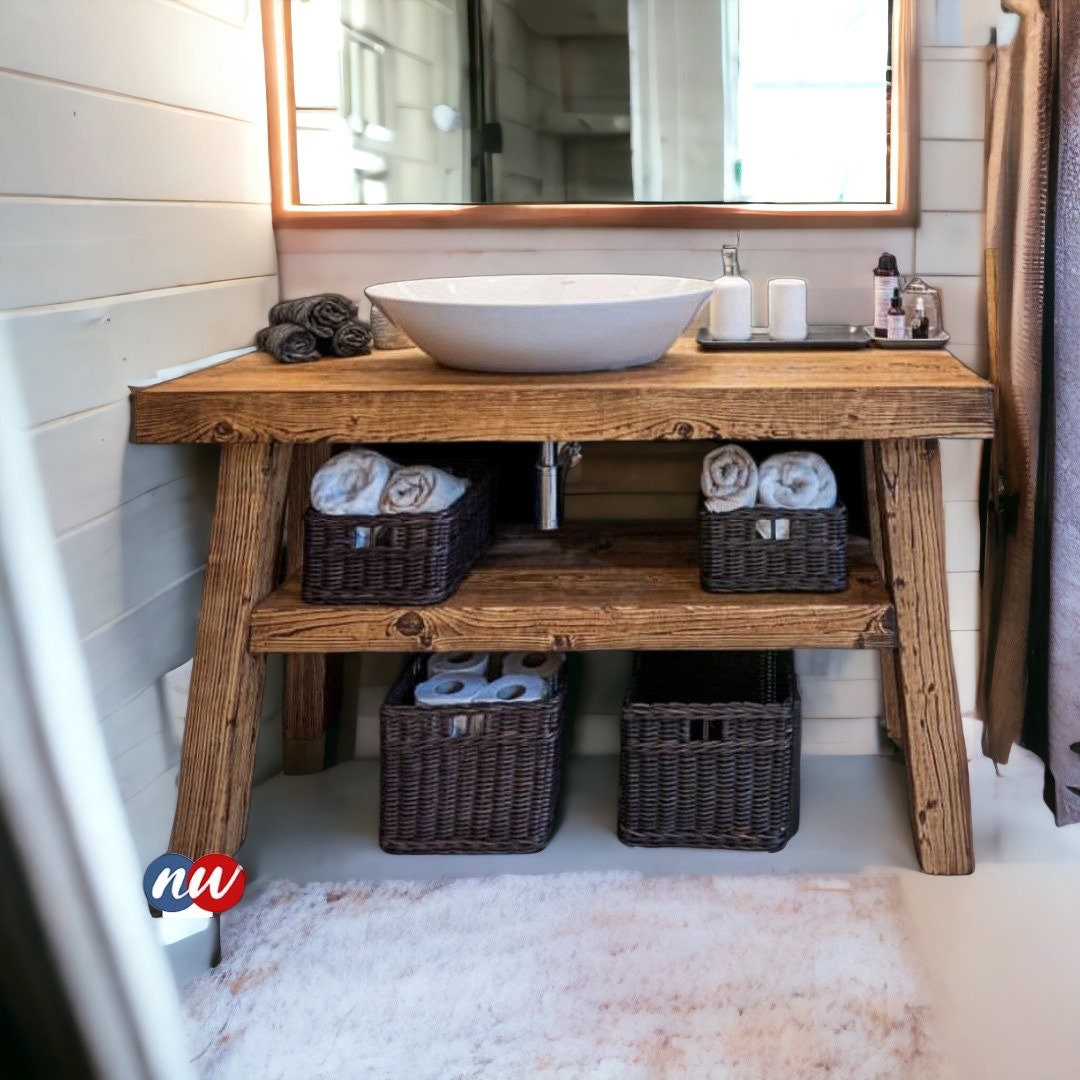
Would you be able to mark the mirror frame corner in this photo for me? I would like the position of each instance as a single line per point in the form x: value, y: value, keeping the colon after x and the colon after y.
x: 288, y: 212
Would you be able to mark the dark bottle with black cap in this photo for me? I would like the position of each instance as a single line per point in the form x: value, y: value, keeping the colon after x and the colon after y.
x: 886, y: 282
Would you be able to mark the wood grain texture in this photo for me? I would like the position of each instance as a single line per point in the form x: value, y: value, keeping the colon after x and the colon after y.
x: 224, y: 706
x: 908, y: 494
x: 890, y: 688
x: 404, y: 396
x: 305, y: 699
x: 634, y: 586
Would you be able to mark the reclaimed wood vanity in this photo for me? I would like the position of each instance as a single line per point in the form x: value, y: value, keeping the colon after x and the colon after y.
x: 583, y: 587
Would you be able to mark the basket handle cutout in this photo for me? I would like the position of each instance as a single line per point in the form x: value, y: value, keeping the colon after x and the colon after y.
x: 773, y: 528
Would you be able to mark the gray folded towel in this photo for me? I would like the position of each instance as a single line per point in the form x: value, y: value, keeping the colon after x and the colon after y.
x: 321, y: 314
x: 290, y: 343
x: 350, y: 339
x: 798, y: 480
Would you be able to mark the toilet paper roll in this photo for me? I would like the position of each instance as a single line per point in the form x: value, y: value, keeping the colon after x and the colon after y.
x: 509, y: 689
x: 787, y: 309
x: 449, y: 689
x: 546, y: 665
x: 462, y: 663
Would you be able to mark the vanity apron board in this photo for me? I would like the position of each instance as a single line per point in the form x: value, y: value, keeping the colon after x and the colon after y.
x: 569, y: 590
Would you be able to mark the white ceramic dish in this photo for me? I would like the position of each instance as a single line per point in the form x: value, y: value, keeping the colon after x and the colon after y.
x: 540, y: 323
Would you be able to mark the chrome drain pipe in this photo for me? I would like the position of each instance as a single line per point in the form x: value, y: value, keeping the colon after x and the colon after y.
x: 555, y: 460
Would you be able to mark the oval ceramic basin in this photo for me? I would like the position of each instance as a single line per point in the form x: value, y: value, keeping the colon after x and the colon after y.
x: 543, y: 322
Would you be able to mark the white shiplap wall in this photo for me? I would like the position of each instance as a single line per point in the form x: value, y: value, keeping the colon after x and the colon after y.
x: 134, y: 234
x: 841, y: 690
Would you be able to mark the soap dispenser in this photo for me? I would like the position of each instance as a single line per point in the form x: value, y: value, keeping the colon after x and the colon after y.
x: 730, y: 305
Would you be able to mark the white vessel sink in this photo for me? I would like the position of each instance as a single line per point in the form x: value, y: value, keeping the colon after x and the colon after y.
x: 543, y: 322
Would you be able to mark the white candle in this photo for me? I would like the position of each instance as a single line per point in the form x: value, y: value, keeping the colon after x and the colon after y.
x: 787, y: 309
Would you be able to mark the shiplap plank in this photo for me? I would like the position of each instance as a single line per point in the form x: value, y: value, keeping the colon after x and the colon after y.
x: 138, y: 648
x: 964, y: 601
x: 160, y: 709
x: 125, y: 149
x: 75, y: 358
x: 138, y: 551
x: 839, y: 699
x: 840, y: 664
x: 854, y: 735
x: 53, y: 251
x: 962, y: 537
x: 89, y: 467
x: 146, y: 49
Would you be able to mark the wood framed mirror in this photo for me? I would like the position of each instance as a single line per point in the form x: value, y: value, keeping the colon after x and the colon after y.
x: 638, y: 115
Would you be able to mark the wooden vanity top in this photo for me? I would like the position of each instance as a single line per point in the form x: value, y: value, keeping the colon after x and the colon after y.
x: 404, y: 396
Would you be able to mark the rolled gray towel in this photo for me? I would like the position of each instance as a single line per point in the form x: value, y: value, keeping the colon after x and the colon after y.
x: 321, y: 314
x: 350, y: 339
x: 290, y: 343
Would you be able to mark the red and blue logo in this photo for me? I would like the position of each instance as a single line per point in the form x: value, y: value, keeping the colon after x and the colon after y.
x: 174, y: 883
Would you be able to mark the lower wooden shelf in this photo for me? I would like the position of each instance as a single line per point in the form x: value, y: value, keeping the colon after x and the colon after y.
x: 588, y: 587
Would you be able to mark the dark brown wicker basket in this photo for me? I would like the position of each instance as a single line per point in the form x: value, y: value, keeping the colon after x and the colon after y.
x: 490, y: 788
x: 736, y: 557
x: 710, y: 751
x: 409, y: 558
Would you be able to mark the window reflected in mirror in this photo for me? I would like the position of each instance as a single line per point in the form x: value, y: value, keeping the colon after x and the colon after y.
x: 579, y: 101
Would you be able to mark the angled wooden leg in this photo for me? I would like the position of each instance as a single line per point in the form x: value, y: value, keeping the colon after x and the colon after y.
x: 306, y: 701
x: 890, y: 688
x: 218, y: 755
x: 908, y: 493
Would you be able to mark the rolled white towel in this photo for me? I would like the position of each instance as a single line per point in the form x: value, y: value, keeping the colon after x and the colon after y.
x: 351, y: 483
x: 421, y: 489
x: 799, y: 480
x: 729, y: 479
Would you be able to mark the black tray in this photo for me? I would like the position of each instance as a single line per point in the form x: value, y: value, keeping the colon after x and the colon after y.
x: 825, y: 336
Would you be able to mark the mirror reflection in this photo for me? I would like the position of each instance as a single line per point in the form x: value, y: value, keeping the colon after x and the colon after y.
x: 578, y: 101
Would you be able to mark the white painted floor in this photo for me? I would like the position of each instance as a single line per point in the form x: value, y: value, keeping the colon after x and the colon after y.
x: 1003, y: 944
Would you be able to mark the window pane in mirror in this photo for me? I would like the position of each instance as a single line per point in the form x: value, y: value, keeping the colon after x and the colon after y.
x: 457, y: 101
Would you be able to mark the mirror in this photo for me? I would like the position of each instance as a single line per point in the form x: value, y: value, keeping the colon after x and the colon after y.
x: 592, y: 101
x: 650, y: 113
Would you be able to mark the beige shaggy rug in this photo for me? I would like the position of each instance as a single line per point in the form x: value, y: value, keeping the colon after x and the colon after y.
x: 610, y: 976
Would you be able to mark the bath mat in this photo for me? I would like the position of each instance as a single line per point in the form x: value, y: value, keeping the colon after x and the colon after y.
x: 594, y: 976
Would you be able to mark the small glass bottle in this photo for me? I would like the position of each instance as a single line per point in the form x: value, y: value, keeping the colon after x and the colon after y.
x: 731, y: 303
x: 918, y: 291
x: 895, y: 322
x: 920, y: 323
x: 886, y: 280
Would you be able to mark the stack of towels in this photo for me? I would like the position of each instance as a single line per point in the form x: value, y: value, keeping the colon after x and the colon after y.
x: 455, y: 678
x: 799, y: 480
x: 314, y: 326
x: 365, y: 482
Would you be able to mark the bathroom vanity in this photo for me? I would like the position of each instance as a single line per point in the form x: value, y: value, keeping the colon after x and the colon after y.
x: 607, y: 586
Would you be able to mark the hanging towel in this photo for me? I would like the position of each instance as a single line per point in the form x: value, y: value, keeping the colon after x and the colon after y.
x: 351, y: 483
x: 729, y: 479
x: 350, y: 339
x: 290, y: 343
x: 321, y: 314
x: 421, y: 489
x: 799, y: 480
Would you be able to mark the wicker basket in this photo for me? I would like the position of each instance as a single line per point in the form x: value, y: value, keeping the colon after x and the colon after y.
x: 464, y: 779
x: 405, y: 558
x: 721, y: 770
x: 763, y: 550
